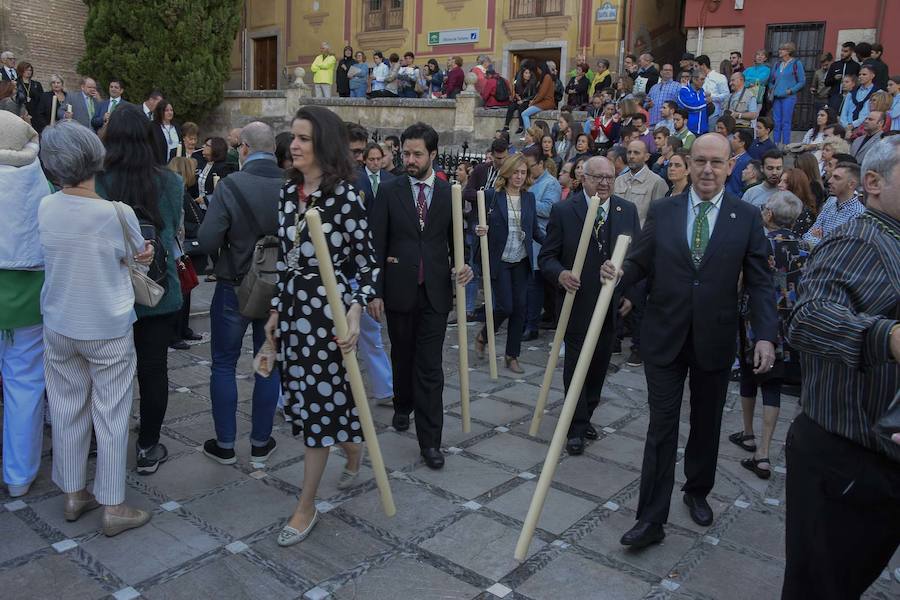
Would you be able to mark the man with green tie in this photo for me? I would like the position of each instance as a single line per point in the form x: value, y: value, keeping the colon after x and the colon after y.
x: 694, y: 247
x: 86, y: 102
x: 616, y: 216
x: 105, y: 109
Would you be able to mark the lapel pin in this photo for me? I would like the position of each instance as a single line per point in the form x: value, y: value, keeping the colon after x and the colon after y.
x: 618, y: 209
x: 733, y: 216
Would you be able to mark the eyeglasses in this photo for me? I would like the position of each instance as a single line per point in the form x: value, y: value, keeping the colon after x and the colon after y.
x: 599, y: 178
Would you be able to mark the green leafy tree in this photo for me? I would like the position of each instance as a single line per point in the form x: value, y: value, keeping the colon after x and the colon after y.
x: 180, y: 47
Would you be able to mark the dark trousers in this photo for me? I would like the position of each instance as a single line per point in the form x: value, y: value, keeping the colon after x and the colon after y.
x: 510, y: 302
x: 183, y: 325
x: 843, y: 514
x: 665, y: 385
x: 636, y: 316
x: 593, y: 383
x: 152, y: 336
x: 512, y: 110
x: 417, y: 341
x: 541, y: 295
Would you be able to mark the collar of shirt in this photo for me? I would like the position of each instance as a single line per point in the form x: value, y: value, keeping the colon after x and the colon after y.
x: 259, y: 156
x: 640, y: 175
x: 429, y: 187
x: 604, y: 206
x: 838, y: 205
x: 696, y: 200
x: 370, y: 173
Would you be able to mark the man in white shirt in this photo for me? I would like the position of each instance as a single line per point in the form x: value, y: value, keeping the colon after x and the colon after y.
x: 715, y: 87
x: 407, y: 76
x: 150, y: 103
x: 8, y: 59
x: 379, y: 72
x: 106, y: 108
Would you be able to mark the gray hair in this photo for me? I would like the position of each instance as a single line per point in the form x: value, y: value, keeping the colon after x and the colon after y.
x: 482, y: 58
x: 551, y: 65
x: 6, y: 54
x: 785, y: 207
x: 71, y: 153
x: 56, y: 77
x: 882, y: 158
x: 259, y: 137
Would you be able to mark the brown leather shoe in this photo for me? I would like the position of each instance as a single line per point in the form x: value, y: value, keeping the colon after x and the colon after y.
x: 74, y: 507
x: 512, y: 363
x: 115, y: 524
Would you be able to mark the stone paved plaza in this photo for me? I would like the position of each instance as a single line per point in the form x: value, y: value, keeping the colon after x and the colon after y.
x: 213, y: 529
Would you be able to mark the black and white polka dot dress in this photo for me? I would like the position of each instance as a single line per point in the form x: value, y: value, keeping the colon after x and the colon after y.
x: 314, y: 383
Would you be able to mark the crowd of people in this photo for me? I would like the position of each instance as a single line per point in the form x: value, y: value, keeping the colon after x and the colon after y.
x: 740, y: 264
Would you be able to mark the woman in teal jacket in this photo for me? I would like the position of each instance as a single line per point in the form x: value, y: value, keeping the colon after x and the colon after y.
x: 132, y: 176
x: 788, y: 78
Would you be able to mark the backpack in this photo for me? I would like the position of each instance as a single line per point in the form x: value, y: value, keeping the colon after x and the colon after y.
x: 558, y: 91
x: 260, y: 283
x: 502, y: 93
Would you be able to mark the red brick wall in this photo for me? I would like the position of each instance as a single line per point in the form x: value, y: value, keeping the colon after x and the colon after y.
x: 47, y: 33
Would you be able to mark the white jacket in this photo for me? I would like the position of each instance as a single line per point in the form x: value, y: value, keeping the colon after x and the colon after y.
x: 21, y: 190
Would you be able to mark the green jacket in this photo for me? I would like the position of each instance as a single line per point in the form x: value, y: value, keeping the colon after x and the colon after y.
x: 171, y: 193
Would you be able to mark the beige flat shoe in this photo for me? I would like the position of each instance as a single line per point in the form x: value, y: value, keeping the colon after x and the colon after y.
x: 73, y: 508
x: 116, y: 524
x: 290, y: 535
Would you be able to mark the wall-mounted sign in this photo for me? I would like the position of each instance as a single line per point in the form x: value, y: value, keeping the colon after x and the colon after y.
x: 607, y: 12
x: 452, y: 36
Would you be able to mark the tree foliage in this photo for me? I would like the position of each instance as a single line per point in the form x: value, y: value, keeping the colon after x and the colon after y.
x: 180, y: 47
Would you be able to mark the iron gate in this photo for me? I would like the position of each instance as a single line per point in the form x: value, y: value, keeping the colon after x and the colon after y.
x: 809, y: 38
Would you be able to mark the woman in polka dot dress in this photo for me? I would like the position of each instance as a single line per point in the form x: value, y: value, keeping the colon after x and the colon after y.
x: 314, y: 383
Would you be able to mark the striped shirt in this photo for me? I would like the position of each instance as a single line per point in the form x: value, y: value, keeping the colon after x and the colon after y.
x: 848, y: 302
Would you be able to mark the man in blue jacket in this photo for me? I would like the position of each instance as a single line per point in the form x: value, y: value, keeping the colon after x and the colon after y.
x: 693, y: 99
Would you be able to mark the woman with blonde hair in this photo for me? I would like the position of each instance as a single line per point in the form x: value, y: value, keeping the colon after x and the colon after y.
x: 512, y: 225
x: 882, y: 101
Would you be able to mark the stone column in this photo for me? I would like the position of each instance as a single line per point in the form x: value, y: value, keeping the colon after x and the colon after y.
x: 464, y: 120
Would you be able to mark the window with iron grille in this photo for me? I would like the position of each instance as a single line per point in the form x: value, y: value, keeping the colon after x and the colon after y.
x: 383, y: 14
x: 809, y: 39
x: 525, y: 9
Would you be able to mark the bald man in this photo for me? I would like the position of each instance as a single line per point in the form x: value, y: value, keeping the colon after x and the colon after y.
x: 234, y: 142
x: 696, y: 245
x: 615, y: 217
x: 85, y: 103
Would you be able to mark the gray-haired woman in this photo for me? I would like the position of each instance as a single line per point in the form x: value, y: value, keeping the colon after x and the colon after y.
x: 788, y: 254
x: 87, y: 304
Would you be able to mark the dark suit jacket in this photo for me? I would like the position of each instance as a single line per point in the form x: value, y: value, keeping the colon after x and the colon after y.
x: 498, y: 227
x: 399, y: 245
x: 102, y: 109
x: 561, y: 244
x: 161, y: 145
x: 477, y: 180
x: 701, y: 302
x: 364, y: 185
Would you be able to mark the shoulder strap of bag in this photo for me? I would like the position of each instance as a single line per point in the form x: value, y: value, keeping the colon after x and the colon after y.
x: 243, y: 206
x: 120, y: 213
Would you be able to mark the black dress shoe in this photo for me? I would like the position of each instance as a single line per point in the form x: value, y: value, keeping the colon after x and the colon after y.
x: 433, y: 458
x: 575, y: 446
x: 590, y: 433
x: 642, y: 535
x: 400, y: 422
x: 192, y: 337
x: 180, y: 345
x: 701, y: 512
x: 530, y: 335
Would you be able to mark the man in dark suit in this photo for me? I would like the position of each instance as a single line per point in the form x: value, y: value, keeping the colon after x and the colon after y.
x: 86, y: 102
x: 107, y: 107
x: 370, y: 174
x: 8, y: 70
x: 615, y: 217
x: 149, y: 105
x: 484, y: 175
x: 695, y: 245
x: 412, y: 229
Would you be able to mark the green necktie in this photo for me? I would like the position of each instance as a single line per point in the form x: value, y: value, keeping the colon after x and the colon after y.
x: 90, y: 107
x: 598, y: 224
x: 374, y: 179
x: 700, y: 235
x: 115, y: 104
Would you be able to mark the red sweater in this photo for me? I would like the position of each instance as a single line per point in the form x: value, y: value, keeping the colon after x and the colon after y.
x: 489, y: 93
x: 454, y: 82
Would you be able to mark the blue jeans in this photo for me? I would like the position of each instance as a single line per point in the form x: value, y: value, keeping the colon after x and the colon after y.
x: 359, y: 92
x: 525, y: 115
x: 227, y: 328
x: 783, y: 113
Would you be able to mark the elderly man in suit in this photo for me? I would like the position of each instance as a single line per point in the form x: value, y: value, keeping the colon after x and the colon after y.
x: 696, y: 245
x: 872, y: 126
x: 8, y: 60
x: 85, y: 103
x: 107, y: 107
x: 616, y: 216
x: 412, y: 229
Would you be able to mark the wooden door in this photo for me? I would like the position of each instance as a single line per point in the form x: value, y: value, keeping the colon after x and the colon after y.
x: 265, y: 63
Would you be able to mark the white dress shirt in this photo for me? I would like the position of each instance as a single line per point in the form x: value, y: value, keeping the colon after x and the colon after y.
x: 711, y: 216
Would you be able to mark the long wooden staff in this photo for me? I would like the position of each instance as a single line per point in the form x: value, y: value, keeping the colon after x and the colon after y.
x: 459, y: 262
x: 488, y: 292
x: 571, y: 401
x: 339, y: 313
x: 565, y: 313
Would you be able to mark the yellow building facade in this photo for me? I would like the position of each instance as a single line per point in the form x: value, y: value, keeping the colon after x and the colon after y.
x: 278, y: 35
